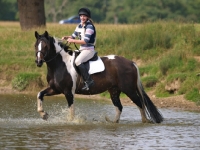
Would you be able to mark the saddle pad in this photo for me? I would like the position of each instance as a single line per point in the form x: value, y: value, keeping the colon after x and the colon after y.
x: 96, y: 66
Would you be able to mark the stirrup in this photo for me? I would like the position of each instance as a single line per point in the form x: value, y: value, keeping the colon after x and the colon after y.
x: 88, y: 84
x: 85, y: 87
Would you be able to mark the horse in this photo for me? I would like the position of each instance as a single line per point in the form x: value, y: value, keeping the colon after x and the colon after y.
x: 120, y: 75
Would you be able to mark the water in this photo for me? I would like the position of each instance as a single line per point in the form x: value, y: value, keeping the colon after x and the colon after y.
x: 22, y: 128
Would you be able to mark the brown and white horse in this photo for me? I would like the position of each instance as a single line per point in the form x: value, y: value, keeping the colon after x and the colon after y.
x: 120, y: 75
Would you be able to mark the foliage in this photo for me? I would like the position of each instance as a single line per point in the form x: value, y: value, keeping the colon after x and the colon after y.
x: 194, y: 95
x: 114, y: 11
x: 22, y: 80
x: 149, y: 81
x: 170, y: 62
x: 19, y: 83
x: 8, y: 10
x: 176, y: 76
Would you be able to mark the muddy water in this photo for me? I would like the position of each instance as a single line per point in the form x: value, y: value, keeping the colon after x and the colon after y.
x: 22, y: 128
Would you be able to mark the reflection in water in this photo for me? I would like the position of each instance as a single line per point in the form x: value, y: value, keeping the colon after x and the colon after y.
x: 22, y: 128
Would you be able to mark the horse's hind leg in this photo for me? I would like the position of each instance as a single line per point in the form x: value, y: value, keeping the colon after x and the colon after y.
x: 40, y: 98
x: 114, y: 94
x: 136, y: 99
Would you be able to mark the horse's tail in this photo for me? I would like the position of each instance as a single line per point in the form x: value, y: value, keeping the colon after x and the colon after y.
x: 150, y: 109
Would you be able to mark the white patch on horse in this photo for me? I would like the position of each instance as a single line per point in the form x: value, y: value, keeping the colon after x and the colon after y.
x: 39, y: 49
x: 68, y: 60
x: 39, y: 103
x: 111, y: 56
x: 118, y: 114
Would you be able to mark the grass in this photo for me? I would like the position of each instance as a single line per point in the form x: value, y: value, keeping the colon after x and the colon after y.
x: 166, y: 50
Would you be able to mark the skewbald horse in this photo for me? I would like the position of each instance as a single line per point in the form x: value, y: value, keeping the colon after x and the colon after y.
x: 120, y: 75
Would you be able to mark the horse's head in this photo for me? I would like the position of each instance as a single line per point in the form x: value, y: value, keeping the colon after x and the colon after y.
x: 42, y: 47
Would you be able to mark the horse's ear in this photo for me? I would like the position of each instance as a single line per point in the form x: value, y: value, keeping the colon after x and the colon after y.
x: 36, y: 35
x: 46, y: 34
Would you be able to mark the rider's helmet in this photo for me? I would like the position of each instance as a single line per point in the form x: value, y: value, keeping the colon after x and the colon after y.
x: 84, y: 11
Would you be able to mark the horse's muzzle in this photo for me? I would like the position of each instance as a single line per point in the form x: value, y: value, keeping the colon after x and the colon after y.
x: 39, y: 63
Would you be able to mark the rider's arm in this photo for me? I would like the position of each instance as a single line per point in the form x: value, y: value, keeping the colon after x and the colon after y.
x: 70, y: 40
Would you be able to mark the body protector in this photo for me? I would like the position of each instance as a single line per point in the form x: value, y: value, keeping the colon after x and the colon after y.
x: 81, y: 34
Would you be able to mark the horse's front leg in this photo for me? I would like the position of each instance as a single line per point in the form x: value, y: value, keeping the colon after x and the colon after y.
x: 40, y: 97
x: 70, y: 99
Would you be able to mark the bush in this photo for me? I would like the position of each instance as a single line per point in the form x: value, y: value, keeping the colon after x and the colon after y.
x: 193, y: 95
x: 149, y: 81
x: 171, y: 62
x: 22, y: 80
x: 19, y: 83
x: 180, y: 76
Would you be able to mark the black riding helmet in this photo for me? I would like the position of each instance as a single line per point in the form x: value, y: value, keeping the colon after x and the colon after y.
x: 84, y: 11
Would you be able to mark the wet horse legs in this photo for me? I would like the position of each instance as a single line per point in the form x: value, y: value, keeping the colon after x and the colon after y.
x: 70, y: 99
x: 40, y: 98
x: 114, y: 94
x: 136, y: 99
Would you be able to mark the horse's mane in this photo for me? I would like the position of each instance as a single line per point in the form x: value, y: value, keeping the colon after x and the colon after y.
x: 63, y: 45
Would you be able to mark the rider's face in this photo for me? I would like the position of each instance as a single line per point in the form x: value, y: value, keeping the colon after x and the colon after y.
x: 83, y: 18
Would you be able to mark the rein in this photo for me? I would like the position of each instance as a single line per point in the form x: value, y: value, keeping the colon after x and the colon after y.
x: 53, y: 57
x: 76, y: 46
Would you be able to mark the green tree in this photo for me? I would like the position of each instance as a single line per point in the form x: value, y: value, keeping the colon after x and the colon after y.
x: 8, y: 10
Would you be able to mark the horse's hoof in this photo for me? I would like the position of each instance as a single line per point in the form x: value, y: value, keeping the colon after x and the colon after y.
x: 108, y: 120
x: 44, y: 116
x: 147, y: 121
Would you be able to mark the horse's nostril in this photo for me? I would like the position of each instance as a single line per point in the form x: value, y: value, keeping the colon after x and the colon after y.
x: 39, y: 63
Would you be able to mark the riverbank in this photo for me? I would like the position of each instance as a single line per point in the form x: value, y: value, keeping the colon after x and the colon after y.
x: 174, y: 102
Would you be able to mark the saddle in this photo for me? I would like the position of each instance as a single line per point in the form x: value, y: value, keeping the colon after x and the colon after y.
x: 94, y: 62
x: 93, y: 65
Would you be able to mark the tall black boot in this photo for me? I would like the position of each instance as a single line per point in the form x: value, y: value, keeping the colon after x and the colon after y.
x: 86, y: 77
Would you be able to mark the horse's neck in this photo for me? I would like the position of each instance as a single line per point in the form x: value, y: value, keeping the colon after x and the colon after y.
x: 68, y: 60
x: 62, y: 62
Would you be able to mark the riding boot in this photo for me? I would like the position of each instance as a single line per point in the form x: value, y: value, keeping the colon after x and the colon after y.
x: 86, y: 77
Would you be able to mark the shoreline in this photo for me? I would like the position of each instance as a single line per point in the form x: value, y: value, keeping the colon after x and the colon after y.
x: 173, y: 102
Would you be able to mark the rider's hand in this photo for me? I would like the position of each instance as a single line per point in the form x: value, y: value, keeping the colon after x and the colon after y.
x: 65, y: 37
x: 70, y: 40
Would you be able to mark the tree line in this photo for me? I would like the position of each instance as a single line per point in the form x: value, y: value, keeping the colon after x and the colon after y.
x: 113, y: 11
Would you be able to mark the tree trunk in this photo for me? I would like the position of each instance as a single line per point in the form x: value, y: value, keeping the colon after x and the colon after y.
x: 31, y: 13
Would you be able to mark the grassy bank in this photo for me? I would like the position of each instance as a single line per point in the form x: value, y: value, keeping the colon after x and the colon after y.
x: 167, y: 54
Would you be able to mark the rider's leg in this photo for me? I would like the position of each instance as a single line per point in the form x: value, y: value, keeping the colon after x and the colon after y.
x: 86, y: 77
x: 84, y: 56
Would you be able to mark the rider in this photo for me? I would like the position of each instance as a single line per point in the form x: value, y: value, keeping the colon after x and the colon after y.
x: 86, y: 33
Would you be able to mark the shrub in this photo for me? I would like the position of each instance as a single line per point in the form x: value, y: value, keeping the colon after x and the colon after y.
x: 193, y: 95
x: 172, y: 77
x: 149, y: 81
x: 19, y: 83
x: 22, y: 80
x: 171, y: 62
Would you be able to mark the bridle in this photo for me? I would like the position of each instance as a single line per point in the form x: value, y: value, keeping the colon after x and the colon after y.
x: 44, y: 55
